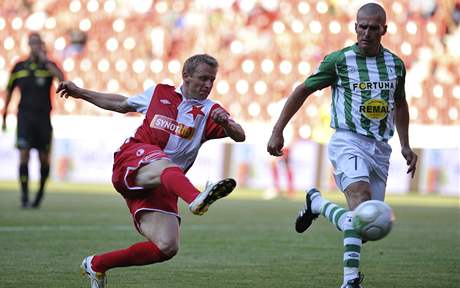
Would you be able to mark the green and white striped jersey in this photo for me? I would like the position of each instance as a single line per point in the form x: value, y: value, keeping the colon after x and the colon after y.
x: 363, y: 90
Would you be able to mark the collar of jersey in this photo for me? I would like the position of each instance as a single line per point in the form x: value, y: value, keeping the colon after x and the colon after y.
x: 357, y: 51
x: 179, y: 90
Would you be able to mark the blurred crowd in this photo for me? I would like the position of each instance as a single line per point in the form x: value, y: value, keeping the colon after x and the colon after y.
x: 264, y: 48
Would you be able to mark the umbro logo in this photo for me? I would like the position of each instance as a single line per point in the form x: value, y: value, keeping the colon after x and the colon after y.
x: 351, y: 69
x: 165, y: 102
x: 353, y: 255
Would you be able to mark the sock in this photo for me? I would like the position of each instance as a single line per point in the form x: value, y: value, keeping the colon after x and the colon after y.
x: 317, y: 203
x: 142, y: 253
x: 44, y: 173
x: 290, y: 180
x: 275, y: 176
x: 343, y: 220
x: 173, y: 178
x: 352, y: 248
x: 24, y: 180
x: 332, y: 212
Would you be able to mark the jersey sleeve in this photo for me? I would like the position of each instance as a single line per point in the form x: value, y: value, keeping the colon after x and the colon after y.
x: 325, y: 75
x: 12, y: 79
x: 400, y: 93
x: 212, y: 129
x: 141, y: 101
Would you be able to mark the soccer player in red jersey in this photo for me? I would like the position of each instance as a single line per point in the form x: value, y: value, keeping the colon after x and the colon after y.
x: 149, y: 168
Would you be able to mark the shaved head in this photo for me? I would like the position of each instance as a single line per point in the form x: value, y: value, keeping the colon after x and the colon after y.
x: 370, y: 27
x: 372, y: 9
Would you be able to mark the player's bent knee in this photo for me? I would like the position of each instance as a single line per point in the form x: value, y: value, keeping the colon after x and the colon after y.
x: 357, y: 192
x: 168, y: 248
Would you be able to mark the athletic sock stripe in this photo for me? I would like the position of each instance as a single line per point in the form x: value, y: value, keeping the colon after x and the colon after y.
x: 337, y: 217
x: 351, y: 234
x: 351, y: 263
x: 314, y: 195
x: 325, y: 209
x: 352, y: 248
x: 352, y: 241
x: 331, y: 214
x: 351, y: 272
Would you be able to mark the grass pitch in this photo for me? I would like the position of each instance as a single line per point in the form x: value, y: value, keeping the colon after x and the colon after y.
x: 242, y: 241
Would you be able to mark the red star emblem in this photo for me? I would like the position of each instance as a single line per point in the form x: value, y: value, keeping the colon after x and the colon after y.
x: 195, y: 111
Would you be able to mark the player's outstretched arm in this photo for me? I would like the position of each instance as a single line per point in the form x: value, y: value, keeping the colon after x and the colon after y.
x: 52, y: 68
x: 107, y: 101
x: 233, y: 129
x: 293, y: 104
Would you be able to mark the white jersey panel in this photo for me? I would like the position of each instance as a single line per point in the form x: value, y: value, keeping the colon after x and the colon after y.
x: 141, y: 101
x: 182, y: 151
x: 392, y: 76
x: 373, y: 74
x: 353, y: 75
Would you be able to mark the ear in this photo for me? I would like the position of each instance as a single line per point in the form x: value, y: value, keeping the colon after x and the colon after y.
x: 185, y: 76
x: 356, y: 27
x: 384, y: 30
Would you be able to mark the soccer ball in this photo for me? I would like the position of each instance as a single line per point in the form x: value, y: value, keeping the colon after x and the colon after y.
x: 373, y: 220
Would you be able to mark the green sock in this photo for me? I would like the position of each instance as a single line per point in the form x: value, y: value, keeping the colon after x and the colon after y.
x: 342, y: 219
x: 334, y: 213
x: 352, y: 250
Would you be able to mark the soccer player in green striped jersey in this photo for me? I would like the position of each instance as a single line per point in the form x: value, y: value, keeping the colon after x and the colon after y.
x: 368, y: 103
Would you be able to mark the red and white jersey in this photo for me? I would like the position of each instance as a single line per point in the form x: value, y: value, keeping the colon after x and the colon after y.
x: 179, y: 126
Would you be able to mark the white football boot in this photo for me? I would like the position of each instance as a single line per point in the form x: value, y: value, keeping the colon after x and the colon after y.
x: 211, y: 193
x: 98, y: 279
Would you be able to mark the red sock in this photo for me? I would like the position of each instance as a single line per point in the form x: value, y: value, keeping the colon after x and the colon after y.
x: 290, y: 180
x: 141, y: 253
x: 275, y: 176
x: 173, y: 178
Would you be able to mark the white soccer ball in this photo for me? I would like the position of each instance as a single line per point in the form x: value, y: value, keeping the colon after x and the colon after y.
x: 373, y: 220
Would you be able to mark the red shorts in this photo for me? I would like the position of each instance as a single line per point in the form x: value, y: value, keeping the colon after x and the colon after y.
x: 130, y: 158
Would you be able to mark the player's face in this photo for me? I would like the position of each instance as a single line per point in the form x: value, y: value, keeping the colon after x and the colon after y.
x: 369, y: 31
x: 35, y: 44
x: 199, y: 84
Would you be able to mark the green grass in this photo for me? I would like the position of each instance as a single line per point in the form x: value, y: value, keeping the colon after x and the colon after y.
x: 242, y: 242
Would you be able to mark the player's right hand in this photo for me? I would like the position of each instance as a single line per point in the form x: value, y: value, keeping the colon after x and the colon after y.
x: 275, y: 144
x: 67, y: 89
x: 411, y: 159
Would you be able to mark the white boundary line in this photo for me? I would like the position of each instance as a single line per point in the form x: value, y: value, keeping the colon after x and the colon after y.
x: 44, y: 228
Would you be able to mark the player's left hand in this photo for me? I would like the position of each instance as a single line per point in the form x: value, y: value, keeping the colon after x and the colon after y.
x: 411, y: 160
x: 220, y: 116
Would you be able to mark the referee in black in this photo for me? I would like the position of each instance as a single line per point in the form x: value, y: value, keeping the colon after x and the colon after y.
x: 33, y: 76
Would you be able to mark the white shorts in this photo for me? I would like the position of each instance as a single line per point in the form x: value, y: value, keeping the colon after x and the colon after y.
x: 356, y: 158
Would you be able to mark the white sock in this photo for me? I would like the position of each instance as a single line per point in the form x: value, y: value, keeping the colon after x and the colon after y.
x: 317, y: 203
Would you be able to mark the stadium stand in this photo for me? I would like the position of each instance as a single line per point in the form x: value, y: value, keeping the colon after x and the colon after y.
x: 264, y: 47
